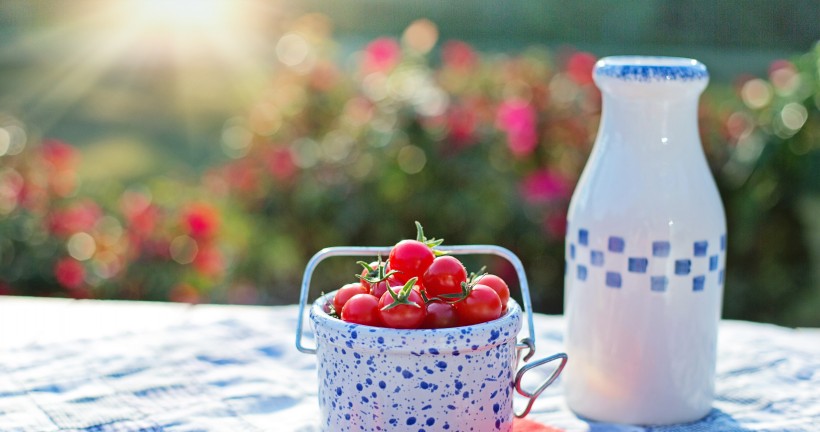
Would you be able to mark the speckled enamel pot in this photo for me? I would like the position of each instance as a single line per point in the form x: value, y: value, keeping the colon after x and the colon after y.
x: 382, y: 379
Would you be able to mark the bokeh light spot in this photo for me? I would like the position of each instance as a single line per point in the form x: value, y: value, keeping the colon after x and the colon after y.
x: 106, y: 265
x: 236, y: 139
x: 265, y: 119
x: 749, y: 149
x: 794, y: 116
x: 293, y: 50
x: 756, y: 93
x: 420, y: 36
x: 739, y: 125
x: 431, y: 101
x: 5, y: 141
x: 375, y: 86
x: 563, y: 89
x: 81, y: 246
x: 183, y: 249
x: 411, y: 159
x: 336, y: 146
x: 306, y: 152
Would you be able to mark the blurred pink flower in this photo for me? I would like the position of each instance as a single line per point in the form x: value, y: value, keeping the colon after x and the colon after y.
x: 458, y: 55
x: 580, y: 66
x: 781, y: 64
x: 461, y: 122
x: 281, y: 164
x: 556, y: 224
x: 59, y: 154
x: 61, y: 159
x: 545, y: 186
x: 79, y: 216
x: 381, y: 55
x: 242, y: 175
x: 518, y: 119
x: 201, y: 220
x: 209, y: 261
x: 70, y: 273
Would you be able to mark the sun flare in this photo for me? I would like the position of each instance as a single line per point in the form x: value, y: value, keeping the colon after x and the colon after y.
x: 183, y: 15
x: 197, y: 53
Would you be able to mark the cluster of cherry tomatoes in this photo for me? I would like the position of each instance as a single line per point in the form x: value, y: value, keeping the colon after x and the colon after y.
x: 420, y: 287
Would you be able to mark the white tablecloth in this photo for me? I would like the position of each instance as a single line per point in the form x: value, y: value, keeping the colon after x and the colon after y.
x: 89, y: 365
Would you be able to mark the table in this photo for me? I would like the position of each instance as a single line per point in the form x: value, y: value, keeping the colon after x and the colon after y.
x: 92, y: 365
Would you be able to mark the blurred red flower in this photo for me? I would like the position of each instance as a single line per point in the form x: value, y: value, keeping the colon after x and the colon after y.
x: 184, y: 293
x: 458, y: 55
x: 69, y: 272
x: 580, y: 66
x: 142, y: 221
x: 281, y: 164
x: 462, y: 123
x: 556, y: 224
x: 59, y: 154
x: 518, y: 119
x: 242, y: 175
x: 209, y: 261
x: 77, y: 217
x: 381, y: 55
x: 201, y: 220
x: 544, y: 186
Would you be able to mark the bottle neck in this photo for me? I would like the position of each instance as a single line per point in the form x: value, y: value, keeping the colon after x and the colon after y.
x: 650, y: 124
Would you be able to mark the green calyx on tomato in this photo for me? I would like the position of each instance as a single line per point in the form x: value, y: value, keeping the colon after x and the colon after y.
x: 431, y: 243
x: 466, y: 288
x: 401, y: 297
x: 371, y: 275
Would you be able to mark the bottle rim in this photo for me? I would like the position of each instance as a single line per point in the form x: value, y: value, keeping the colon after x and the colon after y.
x: 650, y: 69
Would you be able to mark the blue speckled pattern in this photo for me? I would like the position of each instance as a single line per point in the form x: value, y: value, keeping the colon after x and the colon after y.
x: 620, y: 68
x: 379, y: 379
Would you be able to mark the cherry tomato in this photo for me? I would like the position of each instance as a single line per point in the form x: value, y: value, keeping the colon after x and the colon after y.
x: 345, y: 293
x: 380, y: 288
x: 482, y: 304
x: 410, y: 258
x: 444, y: 276
x: 370, y: 274
x: 402, y: 316
x: 499, y: 286
x: 440, y: 315
x: 362, y: 309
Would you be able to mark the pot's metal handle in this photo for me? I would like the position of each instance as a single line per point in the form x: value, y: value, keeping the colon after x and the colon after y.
x: 527, y: 343
x: 531, y: 397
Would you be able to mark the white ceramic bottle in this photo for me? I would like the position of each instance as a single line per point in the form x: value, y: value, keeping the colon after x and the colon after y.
x: 645, y: 252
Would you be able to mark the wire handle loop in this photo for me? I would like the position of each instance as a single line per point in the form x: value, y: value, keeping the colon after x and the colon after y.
x: 531, y: 397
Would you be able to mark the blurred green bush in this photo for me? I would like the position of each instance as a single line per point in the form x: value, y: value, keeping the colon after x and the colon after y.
x: 479, y: 148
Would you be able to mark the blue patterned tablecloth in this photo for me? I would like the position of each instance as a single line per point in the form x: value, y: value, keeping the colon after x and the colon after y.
x: 127, y: 366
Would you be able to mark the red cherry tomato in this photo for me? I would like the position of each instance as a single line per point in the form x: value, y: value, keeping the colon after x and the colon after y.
x: 370, y: 274
x: 410, y: 258
x: 380, y: 288
x: 403, y: 316
x: 362, y: 309
x: 499, y: 286
x: 440, y: 315
x: 444, y: 276
x: 482, y: 304
x: 345, y: 293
